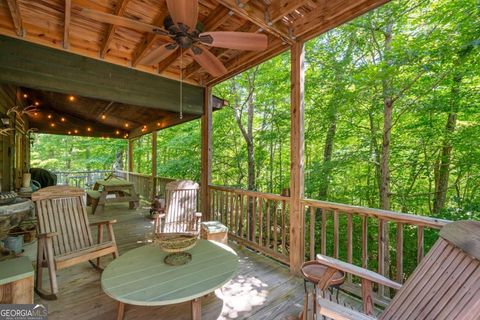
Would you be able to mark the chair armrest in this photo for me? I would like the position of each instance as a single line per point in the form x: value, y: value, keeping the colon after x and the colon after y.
x: 357, y: 271
x: 102, y: 222
x: 335, y: 311
x: 47, y: 235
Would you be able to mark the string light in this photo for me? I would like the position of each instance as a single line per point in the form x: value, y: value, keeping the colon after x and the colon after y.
x: 126, y: 125
x: 37, y: 103
x: 62, y: 119
x: 104, y: 117
x: 89, y: 129
x: 52, y: 124
x: 117, y: 132
x: 71, y: 98
x: 49, y: 116
x: 69, y: 132
x: 35, y: 113
x: 144, y: 128
x: 158, y: 124
x: 76, y: 131
x: 25, y: 95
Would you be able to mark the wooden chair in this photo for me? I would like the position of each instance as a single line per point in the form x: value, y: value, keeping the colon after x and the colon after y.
x: 180, y: 208
x: 445, y: 285
x: 64, y: 237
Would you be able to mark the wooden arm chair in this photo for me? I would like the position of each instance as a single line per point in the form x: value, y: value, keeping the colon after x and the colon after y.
x: 180, y: 208
x: 64, y: 237
x: 445, y: 285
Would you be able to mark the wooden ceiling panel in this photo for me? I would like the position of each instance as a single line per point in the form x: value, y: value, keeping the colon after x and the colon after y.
x: 284, y: 21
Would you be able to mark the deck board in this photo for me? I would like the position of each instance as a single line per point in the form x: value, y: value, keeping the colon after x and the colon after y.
x: 262, y: 289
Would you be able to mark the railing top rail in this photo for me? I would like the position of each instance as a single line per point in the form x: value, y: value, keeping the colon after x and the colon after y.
x: 143, y: 175
x: 379, y: 213
x: 269, y: 196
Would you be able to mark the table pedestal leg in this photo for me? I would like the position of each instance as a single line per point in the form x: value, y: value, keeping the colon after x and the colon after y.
x: 121, y: 310
x: 196, y: 309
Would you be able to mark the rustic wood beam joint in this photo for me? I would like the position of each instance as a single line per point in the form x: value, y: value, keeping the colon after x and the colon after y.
x: 14, y: 9
x: 119, y: 10
x: 66, y: 25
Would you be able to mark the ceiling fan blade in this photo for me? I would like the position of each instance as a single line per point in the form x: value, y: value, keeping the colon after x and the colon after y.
x: 158, y: 54
x: 235, y: 40
x: 208, y: 61
x: 121, y: 21
x: 184, y: 11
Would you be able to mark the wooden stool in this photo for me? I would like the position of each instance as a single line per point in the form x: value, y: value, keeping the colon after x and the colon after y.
x: 314, y: 272
x: 214, y: 230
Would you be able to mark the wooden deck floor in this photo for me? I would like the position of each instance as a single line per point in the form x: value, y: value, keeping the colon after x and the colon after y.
x: 263, y: 288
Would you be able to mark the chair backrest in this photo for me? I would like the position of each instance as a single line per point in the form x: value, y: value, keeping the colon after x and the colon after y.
x: 61, y: 209
x: 180, y: 206
x: 446, y: 284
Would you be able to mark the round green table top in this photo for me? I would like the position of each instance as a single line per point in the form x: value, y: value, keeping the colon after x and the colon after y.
x: 140, y: 277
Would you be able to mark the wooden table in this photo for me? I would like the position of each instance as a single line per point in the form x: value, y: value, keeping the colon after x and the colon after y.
x: 140, y: 277
x: 124, y: 192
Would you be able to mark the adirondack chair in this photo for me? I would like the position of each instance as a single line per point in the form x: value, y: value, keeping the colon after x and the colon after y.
x: 445, y: 285
x: 64, y: 237
x: 180, y: 208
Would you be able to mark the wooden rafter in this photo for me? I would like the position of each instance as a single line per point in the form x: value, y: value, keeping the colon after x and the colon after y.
x: 16, y: 17
x: 257, y: 17
x: 216, y: 18
x: 119, y: 10
x: 165, y: 63
x: 280, y: 8
x: 66, y: 25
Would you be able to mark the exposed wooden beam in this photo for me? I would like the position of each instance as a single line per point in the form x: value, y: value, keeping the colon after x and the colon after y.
x: 297, y: 146
x: 162, y: 123
x: 66, y: 24
x: 165, y: 63
x: 39, y: 67
x: 280, y: 8
x: 150, y: 39
x: 256, y: 16
x: 16, y: 17
x: 216, y: 18
x: 119, y: 10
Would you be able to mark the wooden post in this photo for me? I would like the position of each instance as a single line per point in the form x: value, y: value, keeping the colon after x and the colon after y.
x: 297, y: 157
x: 206, y: 165
x: 130, y: 158
x: 154, y: 164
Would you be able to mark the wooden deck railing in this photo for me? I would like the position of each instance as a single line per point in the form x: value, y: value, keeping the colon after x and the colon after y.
x: 387, y: 242
x: 144, y: 183
x: 82, y: 179
x: 371, y: 238
x: 257, y: 220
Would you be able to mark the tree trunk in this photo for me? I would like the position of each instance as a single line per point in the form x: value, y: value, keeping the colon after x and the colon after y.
x: 441, y: 181
x: 327, y: 156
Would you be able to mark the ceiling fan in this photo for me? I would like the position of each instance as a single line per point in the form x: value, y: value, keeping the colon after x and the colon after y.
x: 182, y: 31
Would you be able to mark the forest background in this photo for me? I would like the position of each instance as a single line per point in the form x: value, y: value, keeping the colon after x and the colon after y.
x: 392, y: 118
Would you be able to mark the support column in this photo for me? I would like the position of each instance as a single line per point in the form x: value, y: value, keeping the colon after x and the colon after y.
x: 154, y: 164
x: 206, y: 165
x: 297, y: 146
x: 130, y: 157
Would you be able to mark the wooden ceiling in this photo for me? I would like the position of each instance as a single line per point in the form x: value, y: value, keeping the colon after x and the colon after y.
x: 58, y: 113
x: 60, y: 24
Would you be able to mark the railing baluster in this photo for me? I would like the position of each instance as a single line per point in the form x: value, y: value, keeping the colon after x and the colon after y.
x: 275, y: 228
x: 284, y: 245
x: 399, y: 253
x: 365, y: 242
x: 240, y: 229
x: 420, y: 244
x: 268, y: 242
x: 324, y: 232
x: 335, y: 234
x: 312, y: 233
x: 349, y: 243
x: 260, y: 218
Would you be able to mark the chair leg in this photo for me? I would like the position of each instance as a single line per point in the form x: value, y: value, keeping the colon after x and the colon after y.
x: 100, y: 240
x: 51, y: 266
x: 40, y: 260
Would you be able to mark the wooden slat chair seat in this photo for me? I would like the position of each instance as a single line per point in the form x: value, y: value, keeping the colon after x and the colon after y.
x: 64, y: 237
x: 445, y: 285
x: 180, y: 208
